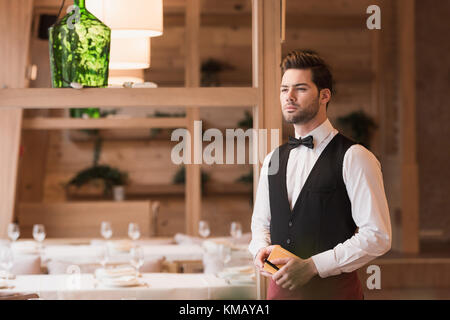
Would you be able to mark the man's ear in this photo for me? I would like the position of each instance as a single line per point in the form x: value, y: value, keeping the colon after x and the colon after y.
x: 325, y: 95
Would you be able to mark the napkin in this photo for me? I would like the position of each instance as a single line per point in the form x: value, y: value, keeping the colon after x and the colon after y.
x: 184, y: 239
x: 115, y: 273
x: 238, y: 275
x: 25, y: 246
x: 120, y: 245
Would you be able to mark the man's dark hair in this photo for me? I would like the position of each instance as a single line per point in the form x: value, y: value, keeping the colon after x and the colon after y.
x: 308, y: 59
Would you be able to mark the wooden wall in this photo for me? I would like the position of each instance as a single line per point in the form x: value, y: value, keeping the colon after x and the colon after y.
x: 433, y: 118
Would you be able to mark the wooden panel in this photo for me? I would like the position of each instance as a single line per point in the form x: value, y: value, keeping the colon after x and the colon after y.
x: 83, y: 219
x: 122, y: 98
x: 15, y: 26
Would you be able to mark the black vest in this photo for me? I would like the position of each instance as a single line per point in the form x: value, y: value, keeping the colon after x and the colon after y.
x: 321, y: 217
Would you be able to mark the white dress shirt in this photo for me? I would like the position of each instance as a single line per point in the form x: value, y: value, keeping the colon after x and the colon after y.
x: 364, y: 183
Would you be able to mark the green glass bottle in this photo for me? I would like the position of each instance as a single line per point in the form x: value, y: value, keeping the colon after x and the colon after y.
x: 79, y: 52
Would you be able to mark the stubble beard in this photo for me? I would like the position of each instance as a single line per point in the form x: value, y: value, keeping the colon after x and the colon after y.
x: 302, y: 116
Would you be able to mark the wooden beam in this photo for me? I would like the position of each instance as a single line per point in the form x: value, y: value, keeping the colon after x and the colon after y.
x: 50, y: 98
x: 104, y: 123
x: 408, y: 140
x: 192, y: 81
x: 271, y: 54
x: 266, y: 42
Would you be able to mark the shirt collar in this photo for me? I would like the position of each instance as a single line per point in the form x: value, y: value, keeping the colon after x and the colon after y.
x: 319, y: 133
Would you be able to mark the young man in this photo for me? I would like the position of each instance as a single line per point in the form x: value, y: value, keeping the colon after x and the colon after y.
x: 325, y: 203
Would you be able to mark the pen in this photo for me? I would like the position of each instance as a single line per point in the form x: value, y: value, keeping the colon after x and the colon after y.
x: 271, y: 264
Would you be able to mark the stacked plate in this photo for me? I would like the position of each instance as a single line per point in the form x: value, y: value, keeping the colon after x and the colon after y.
x: 118, y: 277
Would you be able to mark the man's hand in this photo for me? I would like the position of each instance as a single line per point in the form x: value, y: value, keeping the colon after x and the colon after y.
x: 259, y: 260
x: 295, y: 273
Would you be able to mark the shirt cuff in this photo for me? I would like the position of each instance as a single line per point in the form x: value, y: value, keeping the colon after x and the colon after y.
x: 325, y: 264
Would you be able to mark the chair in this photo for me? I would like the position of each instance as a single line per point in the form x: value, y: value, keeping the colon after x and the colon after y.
x: 26, y: 264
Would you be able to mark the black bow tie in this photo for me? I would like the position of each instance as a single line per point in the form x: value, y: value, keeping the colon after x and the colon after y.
x: 307, y: 142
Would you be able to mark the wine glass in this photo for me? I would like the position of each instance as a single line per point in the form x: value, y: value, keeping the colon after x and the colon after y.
x: 39, y: 232
x: 13, y: 231
x: 236, y: 230
x: 6, y: 260
x: 104, y: 256
x: 106, y: 230
x: 203, y: 229
x: 137, y: 258
x: 225, y: 254
x: 39, y: 235
x: 133, y: 231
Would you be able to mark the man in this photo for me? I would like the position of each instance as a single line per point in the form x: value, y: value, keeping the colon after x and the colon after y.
x: 325, y: 203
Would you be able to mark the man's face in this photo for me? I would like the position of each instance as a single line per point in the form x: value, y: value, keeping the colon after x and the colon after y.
x: 299, y: 96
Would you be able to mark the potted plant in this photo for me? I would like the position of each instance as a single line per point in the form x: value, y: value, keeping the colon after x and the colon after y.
x: 359, y: 126
x: 113, y: 180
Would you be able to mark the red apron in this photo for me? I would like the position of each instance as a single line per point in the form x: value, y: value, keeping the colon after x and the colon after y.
x: 345, y: 286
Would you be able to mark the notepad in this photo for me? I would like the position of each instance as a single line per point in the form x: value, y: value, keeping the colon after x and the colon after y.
x: 277, y: 253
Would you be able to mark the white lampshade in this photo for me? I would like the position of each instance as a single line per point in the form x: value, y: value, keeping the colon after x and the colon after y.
x: 129, y: 18
x: 129, y: 53
x: 118, y: 77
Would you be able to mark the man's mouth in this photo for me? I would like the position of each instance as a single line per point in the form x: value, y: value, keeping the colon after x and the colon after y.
x: 290, y: 108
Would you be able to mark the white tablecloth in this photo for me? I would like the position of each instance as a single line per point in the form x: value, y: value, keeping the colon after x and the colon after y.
x: 89, y: 253
x: 156, y: 286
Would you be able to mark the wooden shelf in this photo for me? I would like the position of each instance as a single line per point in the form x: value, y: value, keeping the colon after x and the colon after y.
x: 161, y: 190
x: 132, y: 134
x: 65, y: 98
x: 103, y: 123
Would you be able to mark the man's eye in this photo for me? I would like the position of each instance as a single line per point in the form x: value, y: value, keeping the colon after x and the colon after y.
x: 284, y: 90
x: 301, y: 89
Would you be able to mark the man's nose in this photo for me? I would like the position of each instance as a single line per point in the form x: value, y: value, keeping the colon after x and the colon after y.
x: 290, y: 96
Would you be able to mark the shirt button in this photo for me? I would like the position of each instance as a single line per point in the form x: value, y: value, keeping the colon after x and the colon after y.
x: 288, y: 241
x: 290, y: 223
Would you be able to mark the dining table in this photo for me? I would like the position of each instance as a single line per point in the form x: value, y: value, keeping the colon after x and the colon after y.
x: 151, y: 286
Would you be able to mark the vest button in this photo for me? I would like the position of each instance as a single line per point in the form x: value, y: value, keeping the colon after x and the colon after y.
x: 290, y: 223
x: 288, y: 241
